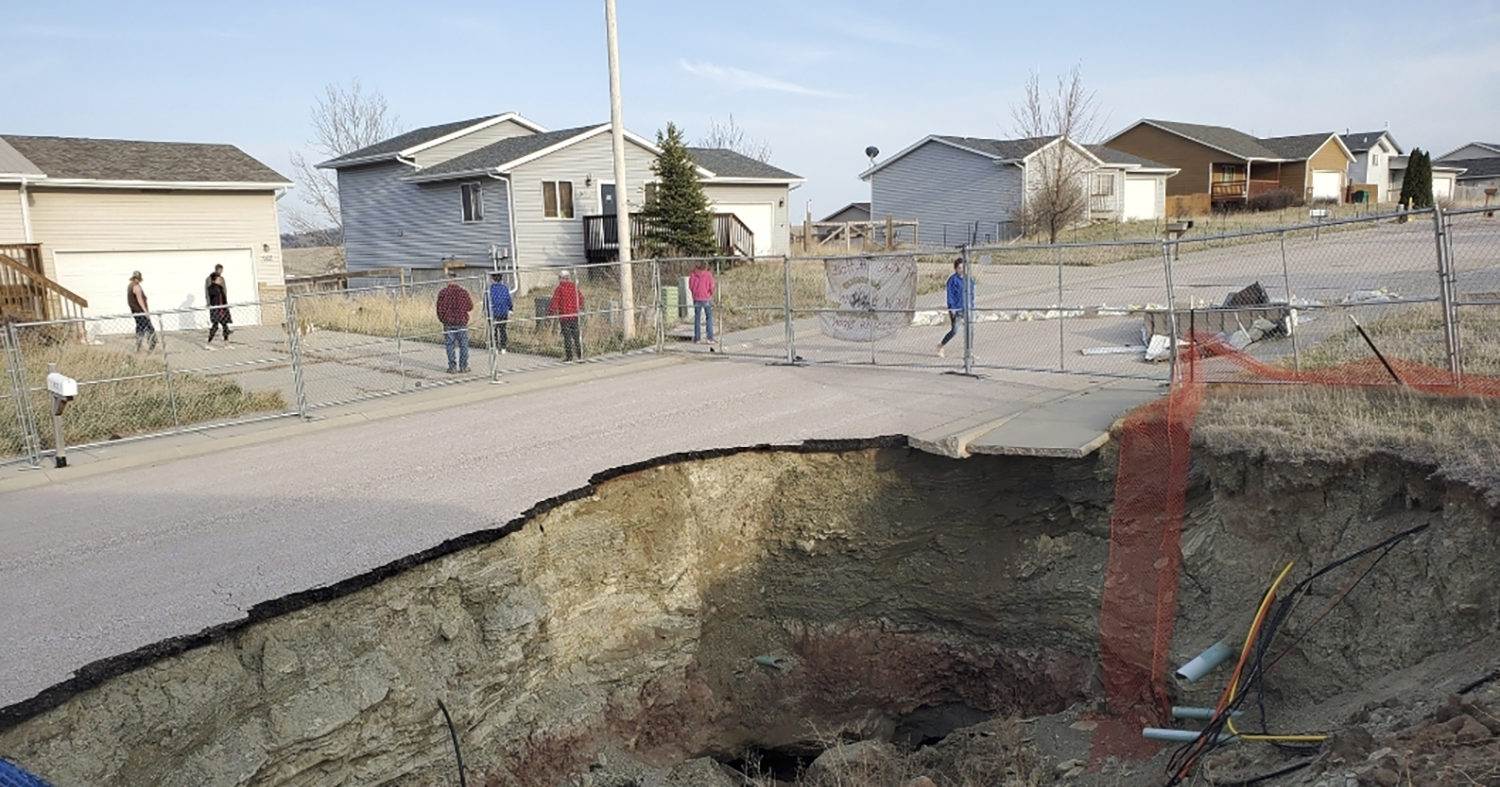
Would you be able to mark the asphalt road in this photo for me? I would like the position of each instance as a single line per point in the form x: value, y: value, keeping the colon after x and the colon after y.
x: 165, y: 537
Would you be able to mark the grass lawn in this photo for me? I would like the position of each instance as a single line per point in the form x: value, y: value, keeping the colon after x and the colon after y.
x: 139, y: 401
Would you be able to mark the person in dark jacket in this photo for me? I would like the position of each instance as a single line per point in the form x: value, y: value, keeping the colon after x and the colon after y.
x: 960, y: 298
x: 453, y: 307
x: 567, y: 304
x: 218, y: 310
x: 135, y: 298
x: 500, y: 308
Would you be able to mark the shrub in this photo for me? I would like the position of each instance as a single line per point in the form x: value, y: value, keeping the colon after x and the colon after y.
x: 1275, y: 199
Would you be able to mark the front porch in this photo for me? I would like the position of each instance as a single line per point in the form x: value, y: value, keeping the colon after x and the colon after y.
x: 601, y: 237
x: 1240, y: 181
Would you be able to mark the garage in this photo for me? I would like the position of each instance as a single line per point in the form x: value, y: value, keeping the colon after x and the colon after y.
x: 1327, y: 185
x: 760, y: 217
x: 173, y: 280
x: 1140, y: 199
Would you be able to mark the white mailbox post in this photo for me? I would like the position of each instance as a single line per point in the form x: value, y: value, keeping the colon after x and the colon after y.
x: 63, y: 390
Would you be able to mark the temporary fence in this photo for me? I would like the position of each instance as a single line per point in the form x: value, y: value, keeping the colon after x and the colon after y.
x: 1420, y: 285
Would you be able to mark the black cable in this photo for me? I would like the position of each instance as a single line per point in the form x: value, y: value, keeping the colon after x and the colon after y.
x: 462, y: 782
x: 1209, y: 738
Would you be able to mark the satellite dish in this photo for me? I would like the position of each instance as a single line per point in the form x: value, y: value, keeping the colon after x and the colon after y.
x: 871, y: 152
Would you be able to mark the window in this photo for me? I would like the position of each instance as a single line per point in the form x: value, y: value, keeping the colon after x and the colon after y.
x: 557, y: 199
x: 650, y: 193
x: 473, y: 197
x: 1104, y: 184
x: 1375, y: 159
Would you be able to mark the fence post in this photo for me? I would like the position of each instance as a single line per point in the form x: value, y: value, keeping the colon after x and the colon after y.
x: 1445, y: 291
x: 968, y: 312
x: 874, y: 315
x: 1062, y: 344
x: 659, y: 310
x: 294, y: 343
x: 396, y: 297
x: 1166, y: 253
x: 1291, y: 315
x: 791, y: 337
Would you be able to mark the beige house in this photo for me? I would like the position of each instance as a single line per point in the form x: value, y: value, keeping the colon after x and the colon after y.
x: 81, y: 214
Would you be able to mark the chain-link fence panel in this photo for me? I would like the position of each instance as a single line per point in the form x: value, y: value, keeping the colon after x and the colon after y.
x: 585, y: 311
x: 18, y: 437
x: 156, y: 373
x: 1472, y: 245
x: 744, y: 313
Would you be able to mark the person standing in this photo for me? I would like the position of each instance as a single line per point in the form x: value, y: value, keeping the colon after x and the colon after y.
x: 209, y: 282
x: 218, y: 309
x: 453, y: 307
x: 567, y: 304
x: 701, y: 285
x: 135, y: 297
x: 500, y: 307
x: 960, y: 297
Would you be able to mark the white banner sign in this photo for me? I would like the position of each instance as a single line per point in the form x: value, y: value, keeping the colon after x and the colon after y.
x: 875, y: 297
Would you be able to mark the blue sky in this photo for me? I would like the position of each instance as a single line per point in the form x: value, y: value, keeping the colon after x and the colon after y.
x: 818, y: 81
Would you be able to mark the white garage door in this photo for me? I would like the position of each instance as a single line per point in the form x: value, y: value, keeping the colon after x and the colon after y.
x: 1327, y: 185
x: 1442, y: 187
x: 760, y: 217
x: 172, y: 280
x: 1140, y: 199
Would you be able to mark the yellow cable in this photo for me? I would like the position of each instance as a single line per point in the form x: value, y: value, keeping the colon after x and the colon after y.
x: 1244, y: 652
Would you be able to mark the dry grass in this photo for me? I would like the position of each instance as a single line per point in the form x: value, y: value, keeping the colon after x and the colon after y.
x: 1460, y: 435
x: 143, y: 404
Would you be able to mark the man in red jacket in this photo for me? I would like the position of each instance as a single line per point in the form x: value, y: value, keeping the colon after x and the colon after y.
x: 567, y: 304
x: 453, y: 307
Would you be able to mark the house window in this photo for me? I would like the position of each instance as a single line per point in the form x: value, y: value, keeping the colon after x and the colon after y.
x: 473, y: 198
x: 557, y: 199
x: 650, y: 193
x: 1375, y: 159
x: 1104, y: 184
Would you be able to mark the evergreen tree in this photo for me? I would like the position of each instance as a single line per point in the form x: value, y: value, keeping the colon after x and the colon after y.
x: 677, y: 219
x: 1416, y: 187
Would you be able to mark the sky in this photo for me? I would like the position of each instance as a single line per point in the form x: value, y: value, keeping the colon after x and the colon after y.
x: 815, y: 81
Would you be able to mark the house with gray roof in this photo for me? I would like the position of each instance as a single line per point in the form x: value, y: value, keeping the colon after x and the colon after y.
x: 963, y: 190
x: 1479, y: 165
x: 502, y: 191
x: 1231, y: 166
x: 79, y: 215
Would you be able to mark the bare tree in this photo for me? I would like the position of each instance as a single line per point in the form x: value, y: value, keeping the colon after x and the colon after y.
x: 729, y: 136
x: 344, y: 119
x: 1057, y: 188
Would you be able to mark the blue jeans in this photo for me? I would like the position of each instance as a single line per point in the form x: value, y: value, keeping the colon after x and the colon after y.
x: 457, y: 334
x: 702, y: 310
x: 952, y: 327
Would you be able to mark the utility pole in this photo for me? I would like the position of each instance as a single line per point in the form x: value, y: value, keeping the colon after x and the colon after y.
x: 622, y: 190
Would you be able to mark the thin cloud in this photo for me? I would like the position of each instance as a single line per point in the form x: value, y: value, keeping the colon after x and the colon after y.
x: 741, y: 79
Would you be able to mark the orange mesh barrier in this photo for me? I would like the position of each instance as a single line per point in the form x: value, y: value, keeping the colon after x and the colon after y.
x: 1139, y: 601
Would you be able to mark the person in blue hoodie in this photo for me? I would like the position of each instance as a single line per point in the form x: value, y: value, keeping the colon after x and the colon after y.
x: 500, y: 308
x: 960, y: 297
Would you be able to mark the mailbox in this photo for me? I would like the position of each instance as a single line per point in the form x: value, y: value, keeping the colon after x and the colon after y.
x: 62, y: 386
x: 1318, y: 213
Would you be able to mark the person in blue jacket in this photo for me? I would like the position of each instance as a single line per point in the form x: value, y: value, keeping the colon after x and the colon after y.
x: 500, y: 308
x: 960, y: 297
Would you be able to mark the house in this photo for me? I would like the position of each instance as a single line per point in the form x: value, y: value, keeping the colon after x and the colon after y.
x: 503, y: 191
x: 1381, y: 163
x: 1480, y: 165
x: 971, y: 189
x: 81, y: 214
x: 854, y: 211
x: 1232, y: 166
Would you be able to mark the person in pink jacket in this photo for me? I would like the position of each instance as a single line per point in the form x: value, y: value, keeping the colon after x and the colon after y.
x: 701, y: 285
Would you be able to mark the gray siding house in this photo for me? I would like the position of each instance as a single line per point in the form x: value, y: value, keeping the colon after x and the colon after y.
x: 502, y: 192
x: 973, y: 190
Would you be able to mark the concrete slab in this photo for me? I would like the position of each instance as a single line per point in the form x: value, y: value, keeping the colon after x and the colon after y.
x: 1070, y: 426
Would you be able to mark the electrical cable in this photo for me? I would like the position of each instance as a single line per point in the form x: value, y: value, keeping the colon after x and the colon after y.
x: 1262, y: 633
x: 462, y: 781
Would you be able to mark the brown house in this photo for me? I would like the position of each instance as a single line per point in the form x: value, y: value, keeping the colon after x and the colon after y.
x: 1232, y: 166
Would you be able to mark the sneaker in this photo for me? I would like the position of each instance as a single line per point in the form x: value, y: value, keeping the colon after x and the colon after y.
x: 942, y: 352
x: 502, y: 350
x: 464, y: 370
x: 227, y: 345
x: 452, y: 370
x: 208, y: 346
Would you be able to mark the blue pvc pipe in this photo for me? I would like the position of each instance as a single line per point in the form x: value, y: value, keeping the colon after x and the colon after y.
x: 1179, y: 736
x: 1202, y: 714
x: 1205, y: 662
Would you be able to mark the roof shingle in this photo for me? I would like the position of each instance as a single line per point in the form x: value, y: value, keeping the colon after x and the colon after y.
x: 497, y: 153
x: 1475, y: 168
x: 116, y: 159
x: 1237, y: 143
x: 1361, y: 141
x: 729, y: 164
x: 400, y: 142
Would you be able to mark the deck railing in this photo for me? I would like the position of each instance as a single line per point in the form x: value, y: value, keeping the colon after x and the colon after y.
x: 601, y: 237
x: 27, y: 294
